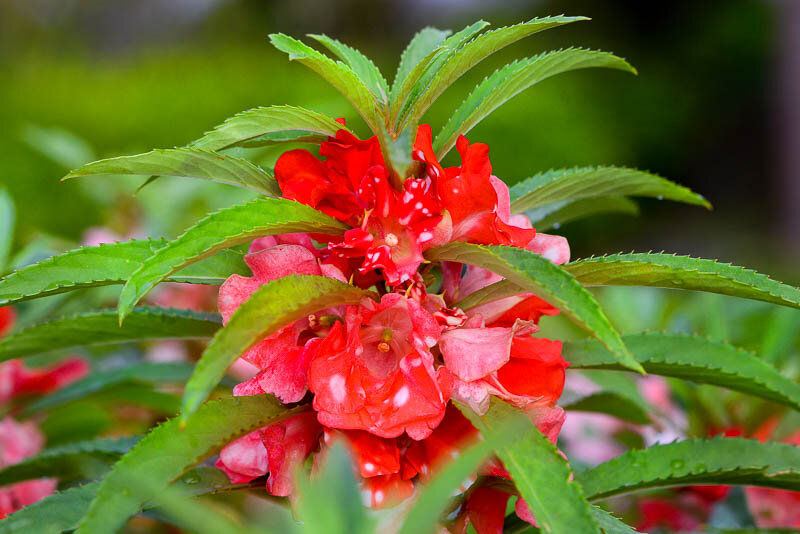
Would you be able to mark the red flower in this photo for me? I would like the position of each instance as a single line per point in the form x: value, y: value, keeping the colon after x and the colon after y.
x: 7, y: 319
x: 284, y: 356
x: 377, y: 373
x: 19, y: 441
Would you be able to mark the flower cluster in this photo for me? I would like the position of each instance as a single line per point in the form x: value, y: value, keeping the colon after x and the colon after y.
x: 20, y: 440
x: 381, y: 375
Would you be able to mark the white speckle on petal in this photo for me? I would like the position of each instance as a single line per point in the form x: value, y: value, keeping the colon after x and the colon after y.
x: 369, y: 467
x: 401, y: 397
x: 378, y: 496
x: 338, y: 390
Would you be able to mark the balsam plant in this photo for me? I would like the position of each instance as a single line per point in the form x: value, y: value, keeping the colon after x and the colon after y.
x: 390, y: 306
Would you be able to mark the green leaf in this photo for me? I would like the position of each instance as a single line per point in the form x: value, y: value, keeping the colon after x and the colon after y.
x: 590, y: 182
x: 269, y: 125
x: 52, y: 515
x: 7, y: 218
x: 550, y: 282
x: 107, y: 265
x: 422, y: 44
x: 436, y: 495
x: 364, y: 68
x: 472, y: 53
x: 187, y: 163
x: 541, y: 475
x: 342, y: 77
x: 556, y: 214
x: 267, y: 310
x: 102, y: 328
x: 613, y: 404
x: 682, y: 272
x: 696, y: 461
x: 509, y: 81
x: 330, y: 503
x: 218, y: 231
x: 692, y: 358
x: 610, y: 524
x: 99, y: 381
x: 420, y: 76
x: 169, y: 450
x: 86, y: 459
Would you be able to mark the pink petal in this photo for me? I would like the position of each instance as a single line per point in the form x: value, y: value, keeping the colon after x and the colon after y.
x: 473, y: 353
x: 245, y: 459
x: 280, y: 261
x: 552, y: 247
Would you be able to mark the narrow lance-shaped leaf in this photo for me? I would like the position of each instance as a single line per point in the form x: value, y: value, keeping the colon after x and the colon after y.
x: 422, y: 44
x: 682, y: 272
x: 541, y: 475
x: 472, y: 53
x: 692, y: 358
x: 108, y: 264
x: 538, y: 275
x: 590, y: 182
x: 559, y: 213
x: 86, y: 459
x: 218, y: 231
x: 268, y: 309
x: 337, y: 74
x: 187, y: 163
x: 434, y: 497
x: 269, y: 125
x: 168, y: 451
x: 98, y: 381
x: 7, y: 218
x: 364, y: 68
x: 405, y: 93
x: 102, y: 328
x: 697, y: 461
x: 507, y: 82
x: 330, y: 502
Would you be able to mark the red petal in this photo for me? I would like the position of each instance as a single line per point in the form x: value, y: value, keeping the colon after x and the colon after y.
x: 487, y: 510
x: 536, y: 369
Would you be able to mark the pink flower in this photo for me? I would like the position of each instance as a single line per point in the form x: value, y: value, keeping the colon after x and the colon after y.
x: 19, y: 441
x: 276, y: 450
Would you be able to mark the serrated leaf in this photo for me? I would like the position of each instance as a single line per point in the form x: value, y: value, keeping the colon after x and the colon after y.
x: 692, y: 358
x: 330, y: 503
x: 682, y: 272
x: 108, y: 264
x: 337, y: 74
x: 556, y: 214
x: 509, y: 81
x: 613, y: 404
x: 187, y: 163
x: 169, y: 450
x: 102, y: 328
x: 268, y: 125
x: 364, y: 68
x: 98, y: 381
x: 420, y: 76
x: 472, y: 53
x: 7, y: 218
x: 610, y: 524
x: 590, y: 182
x: 548, y: 281
x: 697, y: 461
x: 541, y: 475
x: 86, y: 459
x: 421, y: 45
x: 53, y: 514
x: 224, y: 229
x: 267, y: 310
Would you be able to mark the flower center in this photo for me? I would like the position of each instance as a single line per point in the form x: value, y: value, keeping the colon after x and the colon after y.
x: 391, y: 239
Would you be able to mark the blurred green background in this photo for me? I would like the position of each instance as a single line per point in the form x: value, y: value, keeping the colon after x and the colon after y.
x: 713, y: 107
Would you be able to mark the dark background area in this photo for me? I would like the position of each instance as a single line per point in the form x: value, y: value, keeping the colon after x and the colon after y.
x: 715, y: 106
